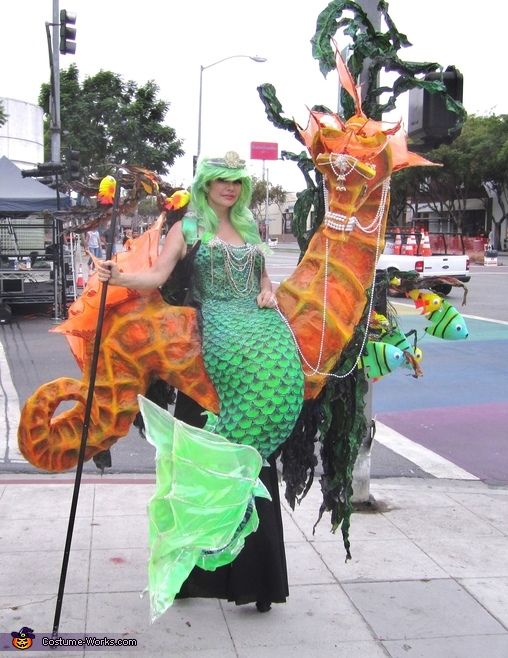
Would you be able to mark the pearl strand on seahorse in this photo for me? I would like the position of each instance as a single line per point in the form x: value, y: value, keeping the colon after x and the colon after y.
x: 378, y: 217
x: 314, y: 370
x: 341, y: 222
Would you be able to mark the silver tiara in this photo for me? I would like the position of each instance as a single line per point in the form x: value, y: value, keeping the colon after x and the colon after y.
x: 231, y: 160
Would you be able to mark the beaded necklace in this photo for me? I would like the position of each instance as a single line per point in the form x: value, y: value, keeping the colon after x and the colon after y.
x: 344, y: 225
x: 239, y: 264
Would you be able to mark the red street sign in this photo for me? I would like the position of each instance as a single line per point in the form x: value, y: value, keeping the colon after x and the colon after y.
x: 264, y: 151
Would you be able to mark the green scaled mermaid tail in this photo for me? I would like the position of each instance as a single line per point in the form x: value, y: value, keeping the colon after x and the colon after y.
x: 249, y: 352
x: 203, y: 506
x: 253, y: 363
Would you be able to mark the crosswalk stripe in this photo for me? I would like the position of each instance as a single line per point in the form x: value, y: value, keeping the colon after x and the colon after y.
x: 9, y: 415
x: 428, y: 461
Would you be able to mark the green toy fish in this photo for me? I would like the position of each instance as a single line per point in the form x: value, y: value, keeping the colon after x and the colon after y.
x: 380, y: 359
x: 412, y: 353
x: 447, y: 323
x: 398, y: 338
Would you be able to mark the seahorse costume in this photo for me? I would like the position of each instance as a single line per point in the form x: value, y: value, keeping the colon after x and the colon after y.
x: 248, y: 353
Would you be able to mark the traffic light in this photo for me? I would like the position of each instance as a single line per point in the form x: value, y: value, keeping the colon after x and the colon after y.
x: 72, y: 163
x: 430, y: 120
x: 67, y: 32
x: 43, y: 169
x: 30, y: 173
x: 50, y: 168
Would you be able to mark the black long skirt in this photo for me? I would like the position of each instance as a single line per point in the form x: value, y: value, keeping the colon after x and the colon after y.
x: 259, y: 572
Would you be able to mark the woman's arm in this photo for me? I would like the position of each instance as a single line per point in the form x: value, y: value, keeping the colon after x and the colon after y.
x: 173, y: 250
x: 265, y: 297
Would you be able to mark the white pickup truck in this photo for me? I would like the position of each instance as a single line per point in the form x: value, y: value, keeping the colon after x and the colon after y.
x: 437, y: 265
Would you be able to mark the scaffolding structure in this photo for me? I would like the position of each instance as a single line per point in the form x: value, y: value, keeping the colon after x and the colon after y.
x: 37, y: 264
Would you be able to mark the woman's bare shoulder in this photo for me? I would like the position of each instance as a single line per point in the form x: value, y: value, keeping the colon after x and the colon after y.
x: 174, y: 243
x: 175, y: 232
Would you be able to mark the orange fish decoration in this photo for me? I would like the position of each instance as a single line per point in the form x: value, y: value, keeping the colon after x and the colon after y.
x: 107, y: 188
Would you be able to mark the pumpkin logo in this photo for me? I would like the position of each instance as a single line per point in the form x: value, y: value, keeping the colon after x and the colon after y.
x: 24, y: 639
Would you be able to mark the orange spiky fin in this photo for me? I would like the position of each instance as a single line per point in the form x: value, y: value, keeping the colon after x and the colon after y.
x: 346, y: 80
x: 318, y: 120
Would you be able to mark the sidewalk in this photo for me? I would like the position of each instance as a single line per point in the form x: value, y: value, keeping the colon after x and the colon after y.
x: 428, y: 578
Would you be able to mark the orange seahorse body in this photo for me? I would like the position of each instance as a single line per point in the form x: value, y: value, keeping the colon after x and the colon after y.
x: 325, y: 297
x: 143, y: 339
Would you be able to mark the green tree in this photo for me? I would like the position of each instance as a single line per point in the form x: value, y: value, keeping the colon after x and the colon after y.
x: 474, y: 166
x: 109, y: 120
x: 276, y: 195
x: 444, y: 189
x: 370, y: 49
x: 487, y: 140
x: 3, y: 115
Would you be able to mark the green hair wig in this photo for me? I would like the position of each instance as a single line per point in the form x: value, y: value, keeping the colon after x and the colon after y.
x: 243, y: 222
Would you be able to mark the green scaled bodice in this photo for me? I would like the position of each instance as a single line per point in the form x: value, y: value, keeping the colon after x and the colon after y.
x: 249, y: 352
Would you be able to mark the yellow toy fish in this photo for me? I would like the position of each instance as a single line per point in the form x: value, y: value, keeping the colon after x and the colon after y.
x: 426, y: 302
x: 379, y: 321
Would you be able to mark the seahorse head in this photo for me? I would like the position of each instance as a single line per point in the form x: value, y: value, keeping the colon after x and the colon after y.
x: 357, y: 155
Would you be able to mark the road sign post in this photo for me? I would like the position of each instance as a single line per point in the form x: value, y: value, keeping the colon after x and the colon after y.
x: 265, y: 151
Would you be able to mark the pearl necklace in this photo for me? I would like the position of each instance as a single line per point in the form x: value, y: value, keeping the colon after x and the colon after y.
x: 238, y: 260
x: 342, y: 164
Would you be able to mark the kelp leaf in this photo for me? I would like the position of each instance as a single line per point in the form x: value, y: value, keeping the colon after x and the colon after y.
x: 273, y: 109
x: 303, y: 205
x: 326, y: 28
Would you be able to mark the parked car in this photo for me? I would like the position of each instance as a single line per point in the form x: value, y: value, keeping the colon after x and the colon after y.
x: 428, y: 264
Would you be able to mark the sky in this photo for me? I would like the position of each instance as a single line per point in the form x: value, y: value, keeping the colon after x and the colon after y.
x: 168, y: 42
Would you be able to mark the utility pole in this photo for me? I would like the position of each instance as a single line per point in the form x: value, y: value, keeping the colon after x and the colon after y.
x: 56, y: 127
x: 267, y: 226
x: 361, y: 471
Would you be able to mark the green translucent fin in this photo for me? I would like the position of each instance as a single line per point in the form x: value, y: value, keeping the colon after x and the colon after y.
x: 203, y: 506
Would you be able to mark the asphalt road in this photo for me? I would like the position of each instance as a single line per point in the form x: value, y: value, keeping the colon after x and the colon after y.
x: 457, y: 409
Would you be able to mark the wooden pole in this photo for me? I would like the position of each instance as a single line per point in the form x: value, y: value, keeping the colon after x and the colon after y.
x: 86, y: 421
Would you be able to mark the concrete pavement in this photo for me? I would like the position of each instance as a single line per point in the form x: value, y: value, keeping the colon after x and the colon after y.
x: 428, y: 578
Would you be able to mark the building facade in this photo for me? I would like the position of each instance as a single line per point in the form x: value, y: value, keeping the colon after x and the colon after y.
x: 22, y: 136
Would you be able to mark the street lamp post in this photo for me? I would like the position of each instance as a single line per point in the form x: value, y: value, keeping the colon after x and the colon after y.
x: 254, y: 58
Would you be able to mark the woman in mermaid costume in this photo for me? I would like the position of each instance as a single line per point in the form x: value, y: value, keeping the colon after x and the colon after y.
x: 203, y: 510
x: 249, y: 354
